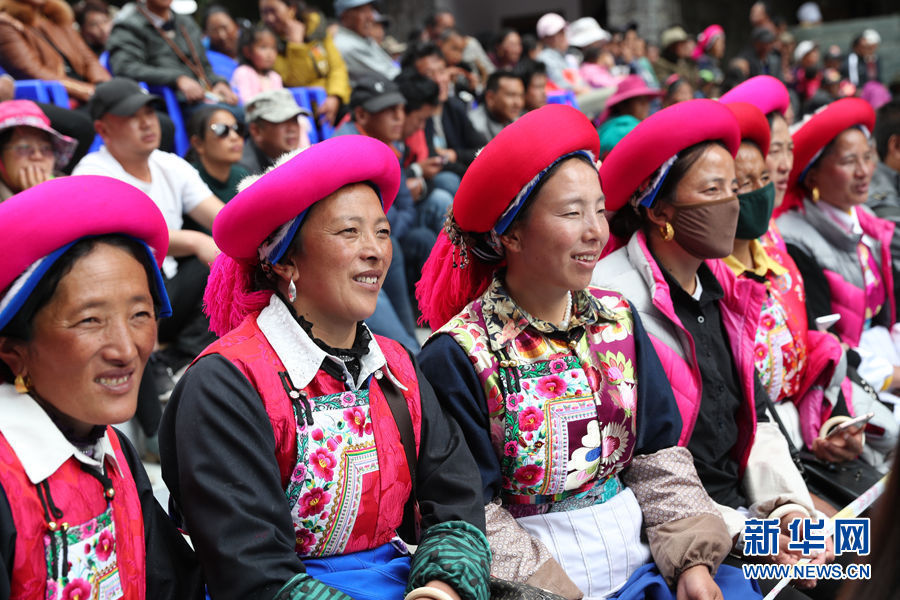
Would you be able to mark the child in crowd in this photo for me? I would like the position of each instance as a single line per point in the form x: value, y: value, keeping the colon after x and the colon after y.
x: 257, y: 49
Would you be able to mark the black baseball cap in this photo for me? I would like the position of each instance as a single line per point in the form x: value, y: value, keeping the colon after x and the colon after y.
x: 375, y: 93
x: 118, y: 96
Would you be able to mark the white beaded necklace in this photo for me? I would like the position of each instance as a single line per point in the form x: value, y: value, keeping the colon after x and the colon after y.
x: 568, y: 314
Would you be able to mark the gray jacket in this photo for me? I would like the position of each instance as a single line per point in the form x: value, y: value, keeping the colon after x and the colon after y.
x: 363, y: 55
x: 137, y: 51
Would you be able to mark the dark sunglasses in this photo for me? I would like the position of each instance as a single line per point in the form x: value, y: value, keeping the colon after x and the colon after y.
x: 221, y: 129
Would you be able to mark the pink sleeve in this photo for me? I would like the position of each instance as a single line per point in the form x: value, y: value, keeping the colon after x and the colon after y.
x: 245, y: 82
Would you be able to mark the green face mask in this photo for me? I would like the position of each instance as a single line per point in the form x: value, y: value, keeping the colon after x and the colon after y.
x: 756, y: 210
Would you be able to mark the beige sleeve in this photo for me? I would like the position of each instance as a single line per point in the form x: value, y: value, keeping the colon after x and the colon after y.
x: 683, y: 525
x: 773, y: 485
x: 520, y: 557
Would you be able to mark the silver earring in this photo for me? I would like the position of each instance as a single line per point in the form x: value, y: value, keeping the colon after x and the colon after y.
x: 292, y: 291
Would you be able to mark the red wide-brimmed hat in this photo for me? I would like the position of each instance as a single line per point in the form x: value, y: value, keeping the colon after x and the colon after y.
x: 753, y: 124
x: 817, y: 132
x: 39, y: 224
x: 763, y: 91
x: 630, y: 87
x: 495, y: 186
x: 660, y: 137
x: 279, y: 198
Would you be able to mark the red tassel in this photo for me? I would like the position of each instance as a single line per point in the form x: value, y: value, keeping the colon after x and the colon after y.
x: 228, y: 298
x: 445, y: 289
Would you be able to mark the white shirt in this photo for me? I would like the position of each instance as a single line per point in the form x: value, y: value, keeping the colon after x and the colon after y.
x: 175, y: 186
x: 38, y: 443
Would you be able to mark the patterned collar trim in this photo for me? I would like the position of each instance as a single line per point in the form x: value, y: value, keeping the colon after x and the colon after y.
x: 299, y: 353
x: 505, y: 320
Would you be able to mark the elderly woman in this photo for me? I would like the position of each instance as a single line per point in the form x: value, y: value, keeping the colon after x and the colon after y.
x: 674, y: 197
x: 840, y: 247
x: 556, y: 386
x: 289, y: 445
x: 82, y: 292
x: 30, y: 150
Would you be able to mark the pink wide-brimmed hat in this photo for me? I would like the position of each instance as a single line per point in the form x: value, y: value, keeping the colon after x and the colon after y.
x: 657, y: 140
x: 816, y: 133
x: 39, y: 224
x: 630, y: 87
x: 753, y: 124
x: 266, y: 215
x: 25, y: 113
x: 496, y: 186
x: 763, y: 91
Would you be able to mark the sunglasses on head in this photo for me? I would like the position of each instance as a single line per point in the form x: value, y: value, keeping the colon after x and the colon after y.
x: 221, y: 129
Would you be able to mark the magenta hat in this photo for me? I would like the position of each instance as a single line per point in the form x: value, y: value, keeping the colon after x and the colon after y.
x: 706, y: 39
x: 763, y: 91
x: 630, y: 87
x: 659, y: 138
x: 276, y: 204
x: 25, y: 113
x: 39, y: 224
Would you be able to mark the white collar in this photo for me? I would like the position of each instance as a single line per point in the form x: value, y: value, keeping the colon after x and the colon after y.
x: 849, y: 222
x: 301, y: 356
x: 38, y: 443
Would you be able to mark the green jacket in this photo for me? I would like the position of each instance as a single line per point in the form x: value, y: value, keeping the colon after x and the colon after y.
x: 137, y: 51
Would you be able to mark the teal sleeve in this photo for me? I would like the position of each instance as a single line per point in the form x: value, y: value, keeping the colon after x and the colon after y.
x: 457, y: 554
x: 303, y: 587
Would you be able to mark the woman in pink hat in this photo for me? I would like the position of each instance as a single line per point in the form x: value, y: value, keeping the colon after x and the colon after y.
x: 30, y: 150
x: 299, y: 445
x: 627, y: 107
x: 843, y: 250
x: 674, y: 188
x: 81, y: 295
x: 556, y: 386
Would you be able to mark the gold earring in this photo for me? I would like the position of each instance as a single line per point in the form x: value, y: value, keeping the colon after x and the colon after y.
x: 667, y: 232
x: 815, y: 194
x: 23, y: 384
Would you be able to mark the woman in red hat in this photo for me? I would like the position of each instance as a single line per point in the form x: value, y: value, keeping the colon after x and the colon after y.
x: 81, y: 295
x: 793, y: 363
x: 840, y: 247
x: 674, y: 192
x: 556, y: 385
x: 297, y: 445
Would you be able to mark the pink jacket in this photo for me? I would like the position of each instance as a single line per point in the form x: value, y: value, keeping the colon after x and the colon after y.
x: 632, y: 271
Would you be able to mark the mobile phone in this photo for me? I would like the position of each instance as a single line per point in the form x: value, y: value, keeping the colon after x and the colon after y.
x: 852, y: 423
x: 824, y: 322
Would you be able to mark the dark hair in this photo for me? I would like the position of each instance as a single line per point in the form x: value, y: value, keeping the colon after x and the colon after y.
x: 498, y: 39
x: 449, y: 33
x: 592, y: 53
x: 629, y: 219
x: 249, y: 36
x: 419, y: 50
x: 529, y: 43
x: 887, y: 123
x: 85, y: 7
x: 493, y: 81
x: 772, y: 115
x: 431, y: 19
x: 21, y: 326
x: 213, y: 9
x: 198, y: 125
x: 528, y: 68
x: 418, y: 90
x: 6, y: 135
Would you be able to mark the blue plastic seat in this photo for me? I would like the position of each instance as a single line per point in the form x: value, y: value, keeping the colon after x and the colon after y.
x: 38, y: 90
x: 310, y: 98
x: 562, y: 97
x: 182, y: 143
x: 222, y: 65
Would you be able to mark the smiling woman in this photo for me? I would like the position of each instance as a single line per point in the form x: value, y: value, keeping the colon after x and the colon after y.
x: 77, y: 324
x: 300, y: 422
x: 556, y: 385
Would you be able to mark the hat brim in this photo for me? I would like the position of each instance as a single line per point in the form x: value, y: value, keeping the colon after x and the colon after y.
x: 130, y: 105
x: 280, y: 115
x: 379, y: 103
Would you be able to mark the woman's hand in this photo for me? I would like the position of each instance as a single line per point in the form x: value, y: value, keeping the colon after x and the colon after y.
x: 225, y: 92
x: 786, y: 556
x: 31, y: 175
x: 839, y: 448
x: 294, y: 31
x: 696, y: 583
x: 329, y: 108
x: 191, y: 88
